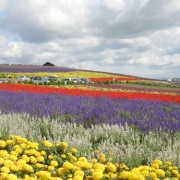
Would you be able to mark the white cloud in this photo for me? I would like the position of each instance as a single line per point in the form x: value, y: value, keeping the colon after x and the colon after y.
x: 139, y: 37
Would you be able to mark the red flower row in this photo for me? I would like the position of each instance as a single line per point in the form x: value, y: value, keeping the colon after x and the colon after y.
x: 79, y: 92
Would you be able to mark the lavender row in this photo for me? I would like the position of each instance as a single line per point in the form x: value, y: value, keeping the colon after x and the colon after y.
x: 26, y: 68
x: 145, y: 89
x: 144, y: 115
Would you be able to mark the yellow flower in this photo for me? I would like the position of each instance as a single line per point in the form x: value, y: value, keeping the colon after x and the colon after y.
x: 160, y: 173
x: 97, y: 175
x: 168, y: 163
x: 32, y: 160
x: 38, y: 165
x: 61, y: 171
x: 1, y: 161
x: 54, y: 163
x: 40, y: 159
x: 8, y: 163
x: 157, y: 161
x: 10, y: 142
x: 14, y: 168
x: 99, y: 166
x: 43, y: 174
x: 63, y: 156
x: 73, y: 150
x: 111, y: 167
x: 43, y: 153
x: 2, y: 144
x: 25, y: 157
x: 5, y: 170
x: 124, y: 175
x: 132, y: 176
x: 77, y: 177
x: 50, y: 157
x: 155, y: 165
x: 64, y: 144
x: 68, y: 165
x: 50, y: 168
x: 80, y: 173
x: 28, y: 168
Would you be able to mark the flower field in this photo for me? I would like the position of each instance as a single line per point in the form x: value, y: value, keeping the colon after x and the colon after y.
x: 89, y: 131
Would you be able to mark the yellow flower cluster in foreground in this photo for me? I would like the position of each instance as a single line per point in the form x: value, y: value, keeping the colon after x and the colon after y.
x: 72, y: 74
x: 21, y: 159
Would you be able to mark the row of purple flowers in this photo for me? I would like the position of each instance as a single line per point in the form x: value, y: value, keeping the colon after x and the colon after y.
x: 144, y: 115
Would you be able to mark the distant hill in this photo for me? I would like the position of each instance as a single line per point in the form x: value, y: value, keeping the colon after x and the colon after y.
x: 15, y: 68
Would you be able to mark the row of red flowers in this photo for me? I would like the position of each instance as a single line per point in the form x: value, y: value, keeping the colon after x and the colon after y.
x: 78, y: 92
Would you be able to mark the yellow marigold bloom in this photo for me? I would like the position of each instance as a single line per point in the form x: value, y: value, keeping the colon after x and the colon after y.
x: 140, y: 177
x: 31, y: 152
x: 63, y: 156
x: 26, y: 158
x: 160, y: 173
x: 2, y: 144
x: 132, y: 176
x: 94, y: 160
x: 43, y: 153
x: 155, y: 165
x: 111, y: 167
x: 50, y: 157
x: 33, y: 145
x: 32, y: 160
x: 14, y: 168
x: 21, y: 162
x: 80, y: 164
x: 40, y: 159
x: 99, y: 166
x: 103, y: 159
x: 97, y: 175
x: 74, y: 150
x: 67, y: 165
x: 28, y: 168
x: 47, y: 144
x: 19, y: 150
x: 16, y: 146
x: 1, y: 161
x: 23, y: 145
x: 144, y: 168
x: 157, y: 161
x: 54, y: 163
x: 5, y: 169
x: 80, y: 173
x: 10, y: 142
x: 38, y: 165
x: 13, y: 158
x: 152, y: 175
x: 12, y: 177
x: 175, y: 172
x: 77, y: 177
x: 50, y: 168
x: 82, y: 159
x: 168, y: 163
x: 43, y: 175
x: 37, y: 154
x: 61, y: 171
x: 124, y: 175
x: 8, y: 163
x: 64, y: 144
x: 145, y: 173
x: 87, y: 165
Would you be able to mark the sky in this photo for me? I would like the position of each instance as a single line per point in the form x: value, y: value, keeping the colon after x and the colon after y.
x: 133, y: 37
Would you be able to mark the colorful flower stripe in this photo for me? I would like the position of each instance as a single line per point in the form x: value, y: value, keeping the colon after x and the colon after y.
x: 79, y: 92
x: 111, y: 79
